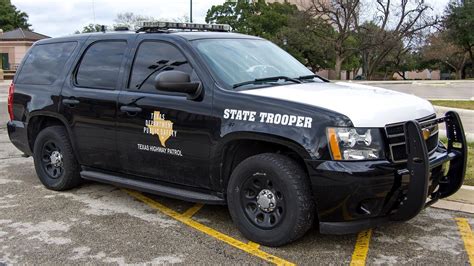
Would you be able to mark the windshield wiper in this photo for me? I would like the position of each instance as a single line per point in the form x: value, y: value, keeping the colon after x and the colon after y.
x: 264, y: 80
x: 312, y: 77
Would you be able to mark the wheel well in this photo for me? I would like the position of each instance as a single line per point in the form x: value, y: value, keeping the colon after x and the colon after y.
x: 238, y: 150
x: 38, y: 123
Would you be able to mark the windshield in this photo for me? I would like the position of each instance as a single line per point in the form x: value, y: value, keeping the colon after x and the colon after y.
x: 235, y: 61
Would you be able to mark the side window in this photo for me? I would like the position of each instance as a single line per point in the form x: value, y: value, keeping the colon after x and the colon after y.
x: 152, y: 58
x: 45, y: 63
x: 100, y: 65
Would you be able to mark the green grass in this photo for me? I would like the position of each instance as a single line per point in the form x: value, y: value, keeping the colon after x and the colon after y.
x: 469, y: 178
x: 454, y: 104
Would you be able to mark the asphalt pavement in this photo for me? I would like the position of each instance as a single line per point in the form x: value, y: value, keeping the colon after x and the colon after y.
x: 432, y: 90
x: 102, y: 224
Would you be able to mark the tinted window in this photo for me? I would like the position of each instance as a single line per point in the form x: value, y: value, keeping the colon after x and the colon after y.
x: 100, y: 65
x: 45, y: 63
x: 153, y: 58
x: 240, y: 60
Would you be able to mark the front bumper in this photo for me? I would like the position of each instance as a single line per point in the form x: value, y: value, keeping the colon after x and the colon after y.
x: 353, y: 196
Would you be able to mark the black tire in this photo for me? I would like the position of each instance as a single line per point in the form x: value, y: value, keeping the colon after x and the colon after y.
x: 64, y: 173
x: 292, y: 213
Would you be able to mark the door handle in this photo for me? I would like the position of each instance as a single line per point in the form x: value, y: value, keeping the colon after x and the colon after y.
x: 71, y: 102
x: 130, y: 110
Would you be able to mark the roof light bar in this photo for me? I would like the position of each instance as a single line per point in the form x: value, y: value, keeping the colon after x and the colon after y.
x: 161, y: 25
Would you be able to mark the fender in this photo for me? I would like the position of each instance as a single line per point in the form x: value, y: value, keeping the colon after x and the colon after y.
x: 62, y: 120
x: 218, y: 166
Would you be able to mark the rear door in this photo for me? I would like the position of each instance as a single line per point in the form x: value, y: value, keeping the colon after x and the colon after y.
x: 89, y: 99
x: 162, y: 135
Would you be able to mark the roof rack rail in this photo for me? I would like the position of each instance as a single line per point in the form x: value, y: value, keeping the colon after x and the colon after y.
x: 161, y: 26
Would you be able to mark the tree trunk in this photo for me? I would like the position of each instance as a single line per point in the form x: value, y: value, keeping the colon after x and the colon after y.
x: 355, y: 72
x: 338, y: 66
x: 402, y: 74
x: 459, y: 73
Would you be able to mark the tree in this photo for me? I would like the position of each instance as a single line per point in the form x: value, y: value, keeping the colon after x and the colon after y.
x: 392, y: 24
x: 233, y: 13
x: 459, y: 24
x: 295, y: 31
x: 254, y: 18
x: 130, y: 20
x: 90, y: 28
x: 12, y: 18
x: 342, y: 15
x: 299, y: 38
x: 440, y: 50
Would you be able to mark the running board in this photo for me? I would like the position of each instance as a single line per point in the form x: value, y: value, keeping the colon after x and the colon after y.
x: 152, y: 188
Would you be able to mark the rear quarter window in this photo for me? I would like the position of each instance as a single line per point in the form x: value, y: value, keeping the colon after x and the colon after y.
x: 45, y: 62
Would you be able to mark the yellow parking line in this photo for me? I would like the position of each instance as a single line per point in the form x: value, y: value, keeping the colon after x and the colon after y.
x: 193, y: 210
x: 209, y: 231
x: 361, y: 248
x: 254, y: 245
x: 467, y: 237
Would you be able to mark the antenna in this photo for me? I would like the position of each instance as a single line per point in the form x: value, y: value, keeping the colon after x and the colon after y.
x: 93, y: 11
x: 191, y: 11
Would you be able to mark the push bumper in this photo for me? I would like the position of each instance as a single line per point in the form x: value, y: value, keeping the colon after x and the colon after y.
x: 353, y: 196
x: 419, y: 195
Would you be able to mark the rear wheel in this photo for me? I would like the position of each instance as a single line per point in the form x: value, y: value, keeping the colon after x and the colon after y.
x: 55, y: 163
x: 270, y: 200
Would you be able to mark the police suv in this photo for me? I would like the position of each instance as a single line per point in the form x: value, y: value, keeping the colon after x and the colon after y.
x: 194, y: 112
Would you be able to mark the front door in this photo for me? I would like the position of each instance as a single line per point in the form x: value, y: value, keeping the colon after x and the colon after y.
x: 161, y: 135
x: 5, y: 62
x: 89, y: 100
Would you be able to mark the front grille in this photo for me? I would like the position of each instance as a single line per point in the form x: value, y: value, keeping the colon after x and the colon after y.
x: 396, y: 140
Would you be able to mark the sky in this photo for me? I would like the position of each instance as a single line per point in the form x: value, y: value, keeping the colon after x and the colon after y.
x: 63, y: 17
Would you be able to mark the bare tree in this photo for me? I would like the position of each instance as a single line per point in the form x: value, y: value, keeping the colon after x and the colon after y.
x: 342, y: 16
x: 131, y: 20
x: 440, y: 50
x: 392, y: 23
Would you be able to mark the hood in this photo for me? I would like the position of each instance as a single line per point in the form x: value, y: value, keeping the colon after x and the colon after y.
x: 366, y: 106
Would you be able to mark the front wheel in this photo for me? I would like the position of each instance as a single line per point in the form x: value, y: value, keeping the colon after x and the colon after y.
x: 269, y: 199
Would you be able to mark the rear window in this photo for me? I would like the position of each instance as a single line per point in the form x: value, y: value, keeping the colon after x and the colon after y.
x: 45, y: 63
x: 100, y: 66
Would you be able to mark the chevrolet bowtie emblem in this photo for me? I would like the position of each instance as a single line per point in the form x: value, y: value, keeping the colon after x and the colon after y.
x: 426, y: 133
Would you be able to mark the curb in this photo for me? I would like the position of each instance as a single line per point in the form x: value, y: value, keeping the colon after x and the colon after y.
x: 454, y: 206
x: 458, y: 205
x: 414, y: 82
x: 466, y: 187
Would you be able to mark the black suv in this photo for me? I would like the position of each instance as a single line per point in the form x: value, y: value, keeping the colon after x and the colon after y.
x: 224, y: 118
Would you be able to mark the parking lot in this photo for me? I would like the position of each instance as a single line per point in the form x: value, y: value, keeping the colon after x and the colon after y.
x: 99, y: 223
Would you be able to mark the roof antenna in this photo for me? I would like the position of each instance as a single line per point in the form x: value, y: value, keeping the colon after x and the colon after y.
x: 93, y: 11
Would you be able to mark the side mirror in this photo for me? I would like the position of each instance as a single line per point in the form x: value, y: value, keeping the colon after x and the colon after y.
x: 178, y: 81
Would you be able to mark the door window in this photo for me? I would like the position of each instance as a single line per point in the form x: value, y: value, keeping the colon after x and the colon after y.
x: 153, y: 58
x: 100, y: 65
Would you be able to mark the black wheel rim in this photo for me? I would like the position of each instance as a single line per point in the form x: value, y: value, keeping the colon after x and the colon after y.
x: 256, y: 187
x: 51, y: 160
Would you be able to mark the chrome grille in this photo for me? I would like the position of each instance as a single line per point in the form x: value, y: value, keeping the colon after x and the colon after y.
x: 397, y: 143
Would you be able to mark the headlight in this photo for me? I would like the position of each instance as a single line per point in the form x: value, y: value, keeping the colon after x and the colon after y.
x: 355, y: 143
